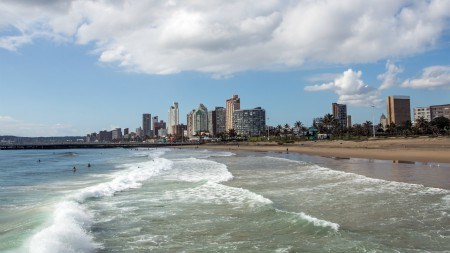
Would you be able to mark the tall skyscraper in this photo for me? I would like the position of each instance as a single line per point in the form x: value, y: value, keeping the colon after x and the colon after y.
x: 398, y: 110
x: 173, y: 119
x: 249, y: 122
x: 216, y: 121
x: 232, y: 104
x: 190, y: 123
x: 200, y: 119
x: 155, y: 123
x: 147, y: 124
x: 340, y: 114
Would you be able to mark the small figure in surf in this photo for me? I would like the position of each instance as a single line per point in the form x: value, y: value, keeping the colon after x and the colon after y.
x: 74, y: 169
x: 89, y: 165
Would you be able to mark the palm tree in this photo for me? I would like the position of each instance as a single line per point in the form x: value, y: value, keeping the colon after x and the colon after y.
x: 328, y: 121
x: 367, y: 126
x: 422, y: 125
x: 299, y: 126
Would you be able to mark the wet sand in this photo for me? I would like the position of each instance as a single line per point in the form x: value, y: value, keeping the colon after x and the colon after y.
x: 421, y: 149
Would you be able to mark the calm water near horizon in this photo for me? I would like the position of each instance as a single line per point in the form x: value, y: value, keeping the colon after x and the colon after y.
x: 196, y: 200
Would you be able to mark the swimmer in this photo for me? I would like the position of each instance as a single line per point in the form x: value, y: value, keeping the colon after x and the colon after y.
x: 89, y: 165
x: 74, y: 169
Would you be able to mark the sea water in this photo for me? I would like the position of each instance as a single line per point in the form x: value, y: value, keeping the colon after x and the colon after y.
x: 195, y: 200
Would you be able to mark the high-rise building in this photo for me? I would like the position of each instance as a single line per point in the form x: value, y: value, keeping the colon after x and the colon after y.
x: 200, y: 119
x: 158, y: 126
x: 398, y: 110
x: 173, y: 118
x: 155, y: 122
x: 220, y: 120
x: 180, y: 128
x: 212, y: 122
x: 340, y: 114
x: 105, y: 136
x: 190, y: 123
x: 147, y: 124
x: 232, y: 104
x: 116, y: 134
x: 126, y: 131
x: 440, y: 111
x: 216, y: 121
x: 422, y: 112
x: 249, y: 122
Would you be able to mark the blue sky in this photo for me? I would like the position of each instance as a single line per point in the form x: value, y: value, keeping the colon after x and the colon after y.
x: 76, y: 67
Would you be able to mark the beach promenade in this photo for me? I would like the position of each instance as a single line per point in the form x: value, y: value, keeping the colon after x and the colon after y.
x: 421, y: 149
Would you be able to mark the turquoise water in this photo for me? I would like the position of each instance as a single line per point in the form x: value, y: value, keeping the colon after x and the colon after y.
x: 183, y: 200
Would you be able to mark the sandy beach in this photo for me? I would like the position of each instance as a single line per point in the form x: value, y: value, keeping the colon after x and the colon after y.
x: 421, y: 149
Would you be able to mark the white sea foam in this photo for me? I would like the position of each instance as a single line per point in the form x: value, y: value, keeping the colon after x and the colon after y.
x: 68, y: 232
x: 126, y: 179
x: 313, y: 220
x: 194, y: 170
x: 219, y: 194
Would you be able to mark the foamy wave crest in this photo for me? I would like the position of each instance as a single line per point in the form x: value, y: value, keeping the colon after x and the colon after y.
x: 126, y: 179
x: 67, y: 233
x: 313, y: 220
x: 194, y: 170
x: 68, y: 230
x: 219, y: 194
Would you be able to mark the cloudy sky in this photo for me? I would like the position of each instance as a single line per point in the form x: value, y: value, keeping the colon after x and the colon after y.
x: 75, y: 67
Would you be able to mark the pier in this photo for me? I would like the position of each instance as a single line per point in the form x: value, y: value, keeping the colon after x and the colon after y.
x: 84, y: 145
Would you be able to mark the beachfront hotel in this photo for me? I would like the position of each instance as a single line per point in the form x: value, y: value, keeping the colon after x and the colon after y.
x: 398, y: 110
x: 250, y: 122
x: 232, y: 105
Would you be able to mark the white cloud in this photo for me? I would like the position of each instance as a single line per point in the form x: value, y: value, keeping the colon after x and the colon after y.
x: 350, y: 89
x: 389, y: 78
x: 225, y: 37
x: 12, y: 126
x: 433, y: 77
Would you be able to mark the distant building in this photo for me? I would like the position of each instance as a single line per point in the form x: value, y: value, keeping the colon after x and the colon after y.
x: 190, y: 123
x: 180, y: 129
x: 200, y: 119
x: 173, y: 118
x: 159, y: 125
x: 162, y: 132
x: 232, y: 104
x: 249, y: 122
x: 383, y: 122
x: 155, y: 122
x: 126, y: 131
x: 139, y: 132
x: 147, y: 124
x: 440, y: 111
x: 349, y: 120
x: 116, y: 134
x: 105, y: 136
x: 340, y: 114
x: 422, y: 112
x: 398, y: 110
x: 216, y: 121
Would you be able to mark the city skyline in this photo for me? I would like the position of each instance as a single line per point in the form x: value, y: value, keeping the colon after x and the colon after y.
x: 69, y: 69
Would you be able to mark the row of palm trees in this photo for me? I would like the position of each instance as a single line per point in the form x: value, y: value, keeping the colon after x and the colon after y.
x: 329, y: 125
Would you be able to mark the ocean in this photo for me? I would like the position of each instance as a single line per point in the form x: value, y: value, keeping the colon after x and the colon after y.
x: 197, y: 200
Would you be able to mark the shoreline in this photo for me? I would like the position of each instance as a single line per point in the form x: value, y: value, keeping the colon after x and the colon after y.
x: 423, y: 149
